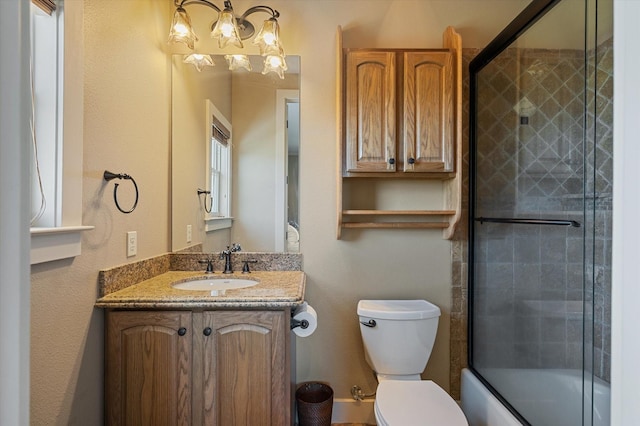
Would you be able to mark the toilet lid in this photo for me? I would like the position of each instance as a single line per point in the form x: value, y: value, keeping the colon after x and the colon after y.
x: 416, y: 403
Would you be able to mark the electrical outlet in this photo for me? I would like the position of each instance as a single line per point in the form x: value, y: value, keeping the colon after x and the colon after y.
x: 132, y: 243
x: 189, y: 233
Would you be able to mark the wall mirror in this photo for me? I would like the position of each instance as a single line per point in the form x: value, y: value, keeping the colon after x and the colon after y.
x: 263, y: 111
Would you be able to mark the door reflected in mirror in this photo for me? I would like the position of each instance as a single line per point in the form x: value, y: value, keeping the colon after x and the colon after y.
x: 264, y: 116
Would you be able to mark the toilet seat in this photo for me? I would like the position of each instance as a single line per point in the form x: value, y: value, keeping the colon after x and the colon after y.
x: 416, y: 403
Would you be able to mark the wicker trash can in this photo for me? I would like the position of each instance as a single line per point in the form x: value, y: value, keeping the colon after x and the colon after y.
x: 315, y: 402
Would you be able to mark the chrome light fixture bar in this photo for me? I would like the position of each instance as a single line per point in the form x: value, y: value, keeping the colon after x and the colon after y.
x: 230, y: 29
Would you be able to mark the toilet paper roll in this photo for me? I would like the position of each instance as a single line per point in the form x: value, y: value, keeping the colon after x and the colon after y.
x: 305, y: 312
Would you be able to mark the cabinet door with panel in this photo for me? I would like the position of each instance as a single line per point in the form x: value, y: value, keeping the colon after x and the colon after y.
x: 148, y: 367
x: 245, y: 368
x: 371, y: 109
x: 428, y: 111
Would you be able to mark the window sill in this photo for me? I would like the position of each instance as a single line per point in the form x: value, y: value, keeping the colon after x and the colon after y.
x: 48, y: 244
x: 216, y: 223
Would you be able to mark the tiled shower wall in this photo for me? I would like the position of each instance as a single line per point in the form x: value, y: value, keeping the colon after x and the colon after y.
x: 530, y: 286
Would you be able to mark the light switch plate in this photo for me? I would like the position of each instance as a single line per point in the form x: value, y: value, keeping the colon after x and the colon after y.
x: 189, y: 233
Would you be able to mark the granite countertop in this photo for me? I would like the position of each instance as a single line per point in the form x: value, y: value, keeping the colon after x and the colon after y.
x: 275, y: 289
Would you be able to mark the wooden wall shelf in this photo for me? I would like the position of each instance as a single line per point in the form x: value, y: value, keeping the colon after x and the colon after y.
x: 396, y: 225
x: 398, y: 212
x: 355, y: 219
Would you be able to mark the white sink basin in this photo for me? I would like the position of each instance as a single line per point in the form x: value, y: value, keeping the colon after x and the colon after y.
x: 217, y: 286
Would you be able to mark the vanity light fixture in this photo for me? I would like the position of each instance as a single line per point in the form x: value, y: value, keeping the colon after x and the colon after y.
x: 276, y: 64
x: 181, y: 29
x: 199, y: 61
x: 232, y: 29
x: 238, y: 61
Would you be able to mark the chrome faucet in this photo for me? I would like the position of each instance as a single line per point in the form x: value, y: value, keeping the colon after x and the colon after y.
x: 226, y: 255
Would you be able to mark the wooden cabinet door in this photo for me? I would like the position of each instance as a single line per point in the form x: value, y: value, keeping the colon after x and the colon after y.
x: 428, y: 112
x: 148, y: 368
x: 245, y: 368
x: 370, y: 108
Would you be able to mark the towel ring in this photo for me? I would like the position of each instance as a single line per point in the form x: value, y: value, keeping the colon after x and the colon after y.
x: 204, y: 202
x: 110, y: 176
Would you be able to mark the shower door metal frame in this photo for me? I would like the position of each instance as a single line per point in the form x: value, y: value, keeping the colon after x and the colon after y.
x: 529, y: 16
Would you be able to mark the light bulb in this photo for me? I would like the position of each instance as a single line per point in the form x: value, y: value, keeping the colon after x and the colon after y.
x: 227, y: 29
x: 181, y: 29
x: 269, y: 39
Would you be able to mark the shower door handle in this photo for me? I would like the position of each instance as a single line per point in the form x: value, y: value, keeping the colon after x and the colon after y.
x: 557, y: 222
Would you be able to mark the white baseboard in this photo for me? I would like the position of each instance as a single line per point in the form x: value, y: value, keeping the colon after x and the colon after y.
x: 346, y: 410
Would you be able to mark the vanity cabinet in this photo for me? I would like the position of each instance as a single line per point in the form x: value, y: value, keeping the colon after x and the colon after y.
x: 194, y: 368
x: 398, y: 111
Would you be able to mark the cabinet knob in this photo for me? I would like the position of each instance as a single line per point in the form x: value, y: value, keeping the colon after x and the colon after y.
x: 391, y: 164
x: 412, y: 160
x: 207, y: 331
x: 182, y: 331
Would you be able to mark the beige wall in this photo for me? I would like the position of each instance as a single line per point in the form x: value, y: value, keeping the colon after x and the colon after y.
x: 126, y: 129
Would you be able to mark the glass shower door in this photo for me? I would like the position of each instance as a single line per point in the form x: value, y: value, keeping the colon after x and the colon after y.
x: 535, y: 225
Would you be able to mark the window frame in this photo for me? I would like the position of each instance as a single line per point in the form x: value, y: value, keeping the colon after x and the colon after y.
x: 220, y: 218
x: 62, y: 238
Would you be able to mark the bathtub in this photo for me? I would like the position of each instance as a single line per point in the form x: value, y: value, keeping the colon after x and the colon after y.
x: 550, y: 397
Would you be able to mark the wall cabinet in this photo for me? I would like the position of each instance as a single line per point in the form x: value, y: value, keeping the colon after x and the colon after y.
x: 399, y: 111
x: 399, y: 117
x: 208, y: 367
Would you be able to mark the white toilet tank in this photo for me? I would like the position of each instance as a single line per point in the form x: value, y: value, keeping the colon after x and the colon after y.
x: 398, y: 336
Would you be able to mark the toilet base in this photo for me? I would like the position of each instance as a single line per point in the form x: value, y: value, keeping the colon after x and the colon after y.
x: 416, y: 403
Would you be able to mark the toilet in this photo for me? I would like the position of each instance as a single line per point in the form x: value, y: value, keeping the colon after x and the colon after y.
x: 398, y: 337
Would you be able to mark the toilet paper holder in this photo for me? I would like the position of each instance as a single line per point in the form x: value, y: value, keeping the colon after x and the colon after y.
x: 298, y: 323
x: 304, y: 320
